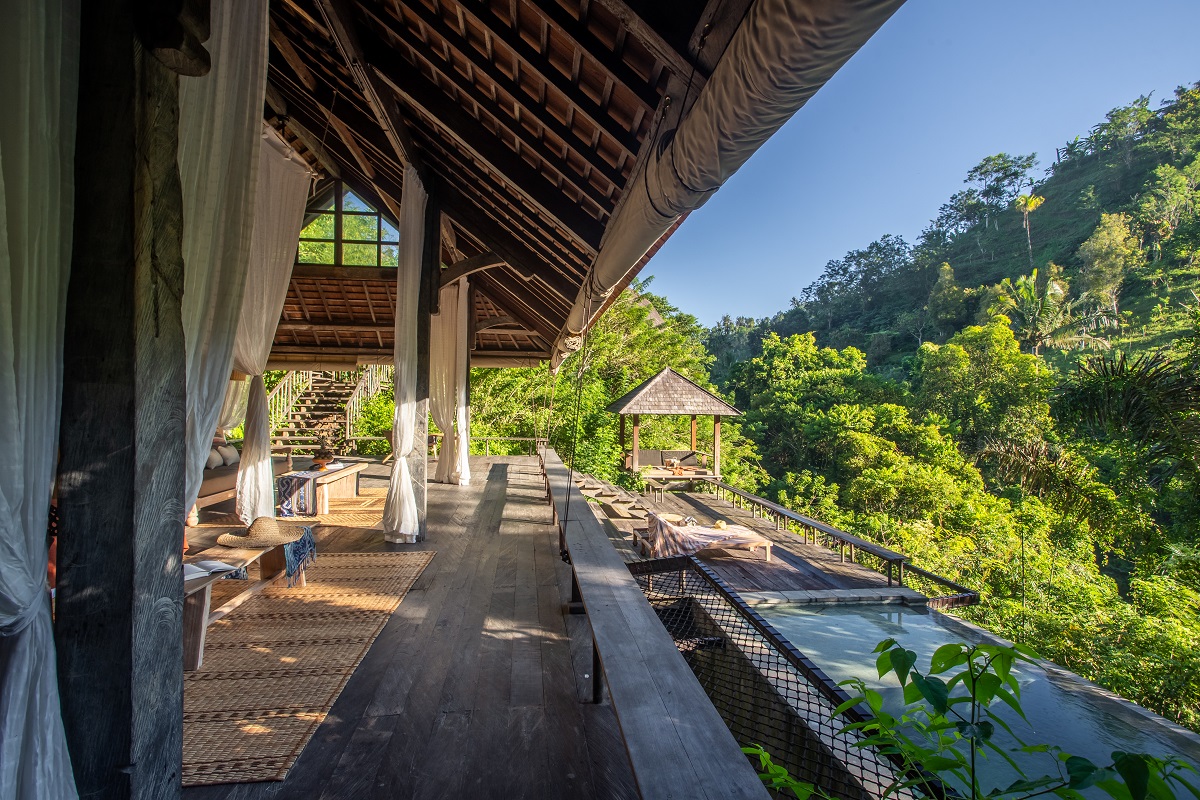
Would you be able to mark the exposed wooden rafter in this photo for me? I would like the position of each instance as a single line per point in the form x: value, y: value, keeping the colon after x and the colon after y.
x: 469, y: 266
x: 345, y: 37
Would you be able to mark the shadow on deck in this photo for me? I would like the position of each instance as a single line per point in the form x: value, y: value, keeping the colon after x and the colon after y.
x: 477, y: 685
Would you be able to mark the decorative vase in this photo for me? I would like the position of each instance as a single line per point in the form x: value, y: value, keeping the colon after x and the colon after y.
x: 322, y: 459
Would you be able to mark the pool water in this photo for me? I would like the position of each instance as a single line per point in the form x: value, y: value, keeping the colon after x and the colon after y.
x: 1062, y: 709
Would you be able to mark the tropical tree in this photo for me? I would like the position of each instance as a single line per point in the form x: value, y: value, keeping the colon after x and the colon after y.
x: 1027, y: 204
x: 1108, y: 255
x: 1043, y: 315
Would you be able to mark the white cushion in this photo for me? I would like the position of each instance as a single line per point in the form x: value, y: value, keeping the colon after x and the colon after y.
x: 214, y: 459
x: 229, y: 454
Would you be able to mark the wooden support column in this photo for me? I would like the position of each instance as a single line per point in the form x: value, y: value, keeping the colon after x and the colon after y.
x: 621, y: 417
x: 636, y: 465
x: 118, y: 626
x: 717, y: 445
x: 693, y: 432
x: 418, y: 460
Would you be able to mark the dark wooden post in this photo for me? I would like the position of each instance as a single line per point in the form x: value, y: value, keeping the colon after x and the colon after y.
x: 622, y: 418
x: 693, y: 432
x: 118, y: 628
x: 418, y: 461
x: 635, y: 465
x: 717, y: 445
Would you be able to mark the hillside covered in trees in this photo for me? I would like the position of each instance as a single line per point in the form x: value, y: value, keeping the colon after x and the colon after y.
x: 1012, y: 399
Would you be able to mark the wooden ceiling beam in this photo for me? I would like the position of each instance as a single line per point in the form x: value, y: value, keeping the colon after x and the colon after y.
x: 291, y: 57
x: 577, y: 32
x: 331, y: 327
x: 521, y: 106
x: 469, y: 266
x: 494, y: 236
x: 676, y: 62
x: 530, y: 61
x: 342, y: 28
x: 466, y: 132
x: 326, y: 272
x: 527, y: 309
x: 378, y: 189
x: 496, y: 322
x: 521, y: 221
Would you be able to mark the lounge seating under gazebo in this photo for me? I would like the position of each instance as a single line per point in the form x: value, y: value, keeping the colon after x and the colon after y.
x: 670, y: 394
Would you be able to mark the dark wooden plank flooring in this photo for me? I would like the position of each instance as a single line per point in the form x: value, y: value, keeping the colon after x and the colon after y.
x: 475, y: 688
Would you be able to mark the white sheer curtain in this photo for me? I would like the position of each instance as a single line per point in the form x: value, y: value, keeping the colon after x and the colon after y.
x: 443, y: 362
x: 283, y: 180
x: 448, y: 382
x: 220, y: 116
x: 462, y: 473
x: 400, y: 523
x: 39, y: 46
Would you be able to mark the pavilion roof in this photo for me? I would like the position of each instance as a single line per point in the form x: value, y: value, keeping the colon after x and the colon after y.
x: 668, y: 392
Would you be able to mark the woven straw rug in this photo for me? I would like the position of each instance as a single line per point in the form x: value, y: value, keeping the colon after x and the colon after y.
x: 274, y: 666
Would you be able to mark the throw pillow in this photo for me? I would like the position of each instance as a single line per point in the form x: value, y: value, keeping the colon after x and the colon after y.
x: 229, y: 454
x: 214, y: 459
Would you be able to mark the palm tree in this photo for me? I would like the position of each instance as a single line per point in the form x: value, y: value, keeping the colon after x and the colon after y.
x: 1042, y: 314
x: 1151, y: 400
x: 1027, y: 204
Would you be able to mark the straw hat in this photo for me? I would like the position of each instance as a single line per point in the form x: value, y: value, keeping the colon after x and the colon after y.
x: 264, y: 532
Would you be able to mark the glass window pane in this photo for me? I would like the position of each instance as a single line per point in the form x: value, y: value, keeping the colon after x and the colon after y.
x: 360, y: 227
x: 390, y: 255
x: 315, y: 253
x: 320, y: 228
x: 352, y: 202
x: 388, y: 232
x: 360, y: 255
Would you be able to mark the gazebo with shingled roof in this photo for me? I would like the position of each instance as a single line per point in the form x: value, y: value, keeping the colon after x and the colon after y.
x: 670, y: 394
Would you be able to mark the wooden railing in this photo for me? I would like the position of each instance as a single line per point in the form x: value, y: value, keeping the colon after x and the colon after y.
x: 531, y: 443
x: 677, y: 743
x: 820, y: 533
x: 371, y: 381
x: 283, y: 397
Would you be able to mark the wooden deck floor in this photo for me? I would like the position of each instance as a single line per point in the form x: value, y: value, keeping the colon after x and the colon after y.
x: 794, y: 564
x: 476, y: 687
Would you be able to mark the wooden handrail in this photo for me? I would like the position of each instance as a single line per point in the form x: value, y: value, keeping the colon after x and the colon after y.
x: 896, y: 562
x: 678, y: 745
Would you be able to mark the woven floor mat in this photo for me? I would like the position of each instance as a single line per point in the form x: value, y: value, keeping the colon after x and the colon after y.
x: 274, y: 666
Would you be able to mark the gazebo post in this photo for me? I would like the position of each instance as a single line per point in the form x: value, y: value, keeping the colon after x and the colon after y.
x: 717, y: 445
x: 693, y: 432
x: 636, y: 420
x: 622, y: 418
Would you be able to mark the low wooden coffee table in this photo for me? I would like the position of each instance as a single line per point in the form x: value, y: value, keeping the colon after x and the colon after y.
x: 341, y: 482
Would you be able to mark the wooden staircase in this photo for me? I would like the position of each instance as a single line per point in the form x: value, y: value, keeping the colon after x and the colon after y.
x: 325, y: 398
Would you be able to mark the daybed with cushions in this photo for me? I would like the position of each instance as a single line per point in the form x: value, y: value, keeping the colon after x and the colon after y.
x: 220, y: 478
x: 659, y: 458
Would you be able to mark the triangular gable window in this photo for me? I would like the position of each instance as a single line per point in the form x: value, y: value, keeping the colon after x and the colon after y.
x: 345, y: 230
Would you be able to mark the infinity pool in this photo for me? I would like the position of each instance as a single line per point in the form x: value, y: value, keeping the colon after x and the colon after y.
x: 1062, y: 708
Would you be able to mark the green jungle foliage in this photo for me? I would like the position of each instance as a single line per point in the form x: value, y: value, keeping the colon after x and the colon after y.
x: 1014, y: 400
x: 947, y: 730
x: 639, y: 336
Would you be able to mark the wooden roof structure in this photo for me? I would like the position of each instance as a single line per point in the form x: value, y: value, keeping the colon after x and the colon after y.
x: 528, y: 121
x: 528, y: 117
x: 668, y: 393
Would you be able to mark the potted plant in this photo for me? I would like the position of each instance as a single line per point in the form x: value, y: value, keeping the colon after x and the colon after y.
x: 326, y: 433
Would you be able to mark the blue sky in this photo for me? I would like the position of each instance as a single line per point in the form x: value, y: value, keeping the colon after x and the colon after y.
x: 888, y: 140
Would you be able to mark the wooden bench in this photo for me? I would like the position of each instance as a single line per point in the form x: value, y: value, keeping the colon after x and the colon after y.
x: 676, y: 741
x: 198, y: 613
